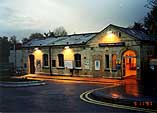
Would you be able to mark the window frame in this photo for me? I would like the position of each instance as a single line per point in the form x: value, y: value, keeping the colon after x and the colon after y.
x: 77, y: 60
x: 45, y: 60
x: 60, y: 60
x: 107, y: 62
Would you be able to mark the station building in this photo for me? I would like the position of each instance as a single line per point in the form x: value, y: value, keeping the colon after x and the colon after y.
x: 114, y: 52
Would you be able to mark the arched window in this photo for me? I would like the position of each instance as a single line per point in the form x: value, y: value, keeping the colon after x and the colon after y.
x: 61, y: 60
x: 45, y: 59
x: 77, y: 60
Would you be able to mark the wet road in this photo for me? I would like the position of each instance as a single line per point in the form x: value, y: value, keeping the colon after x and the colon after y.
x: 53, y: 97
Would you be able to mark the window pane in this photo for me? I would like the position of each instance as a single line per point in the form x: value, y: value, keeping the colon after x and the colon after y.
x: 78, y: 63
x: 45, y: 59
x: 97, y: 64
x: 61, y: 60
x: 107, y: 61
x: 77, y: 60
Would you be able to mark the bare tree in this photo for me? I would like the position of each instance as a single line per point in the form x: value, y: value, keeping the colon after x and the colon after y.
x: 60, y: 31
x: 36, y: 36
x: 49, y: 34
x: 25, y: 40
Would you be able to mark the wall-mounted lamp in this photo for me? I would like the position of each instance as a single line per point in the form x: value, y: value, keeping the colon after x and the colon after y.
x: 66, y: 47
x: 68, y: 53
x: 36, y: 48
x: 109, y: 32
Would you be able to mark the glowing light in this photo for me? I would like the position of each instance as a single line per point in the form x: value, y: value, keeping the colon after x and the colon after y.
x: 110, y: 38
x: 66, y: 47
x: 38, y: 54
x: 36, y: 48
x: 130, y: 53
x: 109, y: 32
x: 115, y: 95
x: 68, y: 53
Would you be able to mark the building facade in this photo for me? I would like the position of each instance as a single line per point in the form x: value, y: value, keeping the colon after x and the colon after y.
x: 114, y: 52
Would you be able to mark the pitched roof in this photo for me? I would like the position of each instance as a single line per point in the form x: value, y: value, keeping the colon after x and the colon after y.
x: 79, y: 39
x: 136, y: 33
x: 76, y: 39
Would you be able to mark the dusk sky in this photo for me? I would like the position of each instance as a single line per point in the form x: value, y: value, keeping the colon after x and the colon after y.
x: 23, y: 17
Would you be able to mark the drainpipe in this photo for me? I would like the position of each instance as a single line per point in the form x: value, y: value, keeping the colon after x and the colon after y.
x: 50, y: 60
x: 15, y: 57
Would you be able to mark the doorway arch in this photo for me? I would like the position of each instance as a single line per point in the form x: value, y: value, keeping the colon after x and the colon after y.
x: 129, y: 62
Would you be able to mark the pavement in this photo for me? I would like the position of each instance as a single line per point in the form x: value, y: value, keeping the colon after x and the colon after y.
x: 74, y: 78
x: 22, y: 83
x: 128, y: 91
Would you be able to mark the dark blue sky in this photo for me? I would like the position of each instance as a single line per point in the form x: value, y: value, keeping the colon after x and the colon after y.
x: 22, y: 17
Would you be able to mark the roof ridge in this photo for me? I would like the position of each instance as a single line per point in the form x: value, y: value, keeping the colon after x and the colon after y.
x: 126, y: 28
x: 78, y: 34
x: 118, y: 26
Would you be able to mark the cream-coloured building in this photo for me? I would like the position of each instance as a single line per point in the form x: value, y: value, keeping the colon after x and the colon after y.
x: 114, y: 52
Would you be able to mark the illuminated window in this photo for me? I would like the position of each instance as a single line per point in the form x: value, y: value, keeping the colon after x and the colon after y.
x: 61, y: 60
x: 113, y: 61
x: 45, y: 59
x: 107, y: 61
x: 53, y: 63
x: 77, y: 60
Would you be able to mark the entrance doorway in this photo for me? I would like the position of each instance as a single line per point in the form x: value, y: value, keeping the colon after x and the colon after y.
x: 129, y: 63
x: 32, y: 67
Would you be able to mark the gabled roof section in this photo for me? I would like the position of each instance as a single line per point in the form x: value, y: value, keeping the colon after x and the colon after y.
x: 82, y: 39
x: 140, y: 35
x: 75, y: 39
x: 39, y: 42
